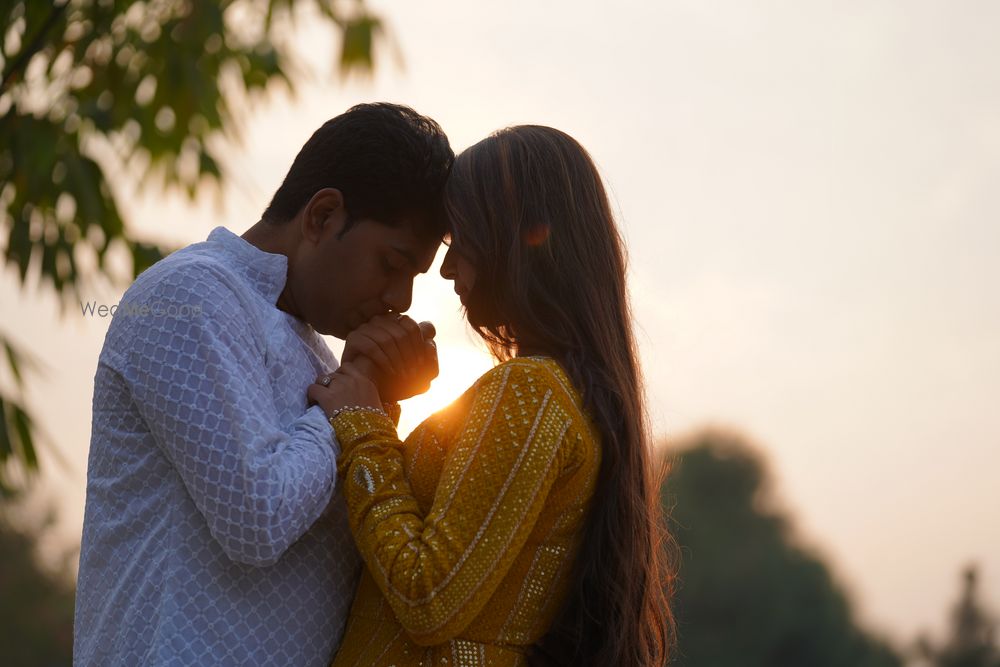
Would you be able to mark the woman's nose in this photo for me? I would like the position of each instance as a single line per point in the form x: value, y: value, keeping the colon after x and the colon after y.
x: 448, y: 266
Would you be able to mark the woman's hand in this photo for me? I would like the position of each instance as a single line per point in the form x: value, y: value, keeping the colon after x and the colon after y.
x: 347, y: 387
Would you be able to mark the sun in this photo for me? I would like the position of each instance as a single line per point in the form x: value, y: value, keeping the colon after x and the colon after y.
x: 460, y: 366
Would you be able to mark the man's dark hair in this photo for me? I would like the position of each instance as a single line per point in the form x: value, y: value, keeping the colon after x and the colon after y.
x: 389, y: 162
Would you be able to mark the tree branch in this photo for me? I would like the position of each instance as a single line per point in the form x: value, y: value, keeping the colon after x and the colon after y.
x: 34, y: 47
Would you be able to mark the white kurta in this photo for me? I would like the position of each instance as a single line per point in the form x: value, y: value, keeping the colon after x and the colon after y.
x: 207, y: 474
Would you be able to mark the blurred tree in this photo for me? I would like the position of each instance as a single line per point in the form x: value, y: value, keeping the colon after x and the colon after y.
x: 17, y: 431
x: 146, y: 88
x: 36, y: 608
x: 973, y: 632
x: 748, y: 595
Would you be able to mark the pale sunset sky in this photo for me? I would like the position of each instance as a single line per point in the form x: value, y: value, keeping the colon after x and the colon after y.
x: 809, y: 191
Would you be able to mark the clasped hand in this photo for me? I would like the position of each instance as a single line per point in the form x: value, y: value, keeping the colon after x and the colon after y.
x: 389, y: 358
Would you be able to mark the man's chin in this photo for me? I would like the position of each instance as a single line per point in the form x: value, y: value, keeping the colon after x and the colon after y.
x: 335, y: 329
x: 340, y: 332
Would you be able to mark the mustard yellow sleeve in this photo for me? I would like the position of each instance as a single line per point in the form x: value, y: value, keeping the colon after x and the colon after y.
x: 394, y: 412
x: 438, y: 571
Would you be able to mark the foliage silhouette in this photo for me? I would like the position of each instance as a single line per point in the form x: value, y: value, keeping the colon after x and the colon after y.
x: 147, y: 88
x: 36, y: 607
x: 972, y: 641
x: 749, y: 595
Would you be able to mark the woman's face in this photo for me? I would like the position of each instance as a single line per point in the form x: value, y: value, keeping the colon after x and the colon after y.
x: 458, y: 268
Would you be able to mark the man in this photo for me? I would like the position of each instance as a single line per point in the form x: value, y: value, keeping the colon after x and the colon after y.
x: 208, y: 470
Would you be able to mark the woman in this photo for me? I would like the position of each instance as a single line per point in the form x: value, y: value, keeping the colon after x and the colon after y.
x: 520, y: 525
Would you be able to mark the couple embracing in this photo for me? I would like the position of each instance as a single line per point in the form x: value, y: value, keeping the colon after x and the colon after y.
x: 249, y: 500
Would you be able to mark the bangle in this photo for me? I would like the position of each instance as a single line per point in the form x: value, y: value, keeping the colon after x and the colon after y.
x: 355, y: 408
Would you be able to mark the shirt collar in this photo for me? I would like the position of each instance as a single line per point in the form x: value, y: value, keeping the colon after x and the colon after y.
x: 265, y: 272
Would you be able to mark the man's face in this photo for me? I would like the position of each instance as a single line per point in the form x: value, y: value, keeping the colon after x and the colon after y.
x: 340, y: 283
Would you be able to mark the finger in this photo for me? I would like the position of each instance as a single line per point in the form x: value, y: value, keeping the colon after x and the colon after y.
x: 314, y: 392
x: 385, y: 339
x: 350, y: 347
x: 412, y: 341
x: 353, y: 339
x: 395, y: 327
x: 427, y: 330
x: 324, y: 379
x: 367, y: 346
x: 427, y: 345
x: 432, y: 360
x: 382, y: 320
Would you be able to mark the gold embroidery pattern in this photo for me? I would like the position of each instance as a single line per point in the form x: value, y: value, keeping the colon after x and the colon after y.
x: 478, y: 576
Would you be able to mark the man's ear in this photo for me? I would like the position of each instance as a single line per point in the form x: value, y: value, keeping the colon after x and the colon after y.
x: 323, y: 214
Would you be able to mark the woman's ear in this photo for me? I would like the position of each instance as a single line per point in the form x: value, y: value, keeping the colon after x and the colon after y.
x: 323, y: 214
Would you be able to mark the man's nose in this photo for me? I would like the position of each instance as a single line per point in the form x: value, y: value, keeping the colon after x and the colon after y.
x: 399, y: 296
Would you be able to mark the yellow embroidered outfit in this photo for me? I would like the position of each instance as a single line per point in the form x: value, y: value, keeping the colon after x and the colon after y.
x: 470, y: 527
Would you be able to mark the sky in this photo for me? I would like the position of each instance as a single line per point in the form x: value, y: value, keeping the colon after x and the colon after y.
x: 808, y: 192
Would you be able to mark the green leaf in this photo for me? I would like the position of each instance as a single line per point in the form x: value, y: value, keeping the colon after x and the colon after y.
x: 23, y: 425
x: 13, y: 362
x: 16, y: 442
x: 356, y: 51
x: 209, y: 166
x: 144, y: 255
x: 6, y: 449
x: 19, y: 360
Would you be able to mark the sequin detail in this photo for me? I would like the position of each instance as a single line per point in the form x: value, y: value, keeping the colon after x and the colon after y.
x: 470, y: 525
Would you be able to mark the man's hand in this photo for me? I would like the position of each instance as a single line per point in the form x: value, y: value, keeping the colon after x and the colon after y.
x: 402, y: 355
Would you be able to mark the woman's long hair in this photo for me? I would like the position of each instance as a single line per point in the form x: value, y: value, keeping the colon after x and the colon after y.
x: 527, y: 204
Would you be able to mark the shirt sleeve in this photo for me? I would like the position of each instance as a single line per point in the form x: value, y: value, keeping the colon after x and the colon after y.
x: 197, y: 374
x: 438, y: 570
